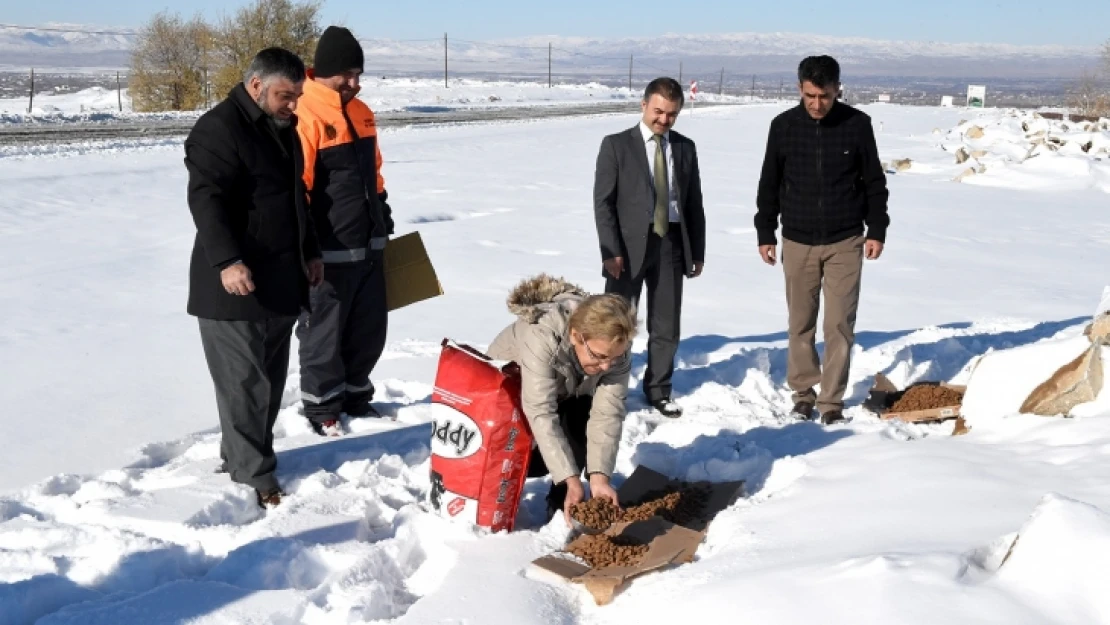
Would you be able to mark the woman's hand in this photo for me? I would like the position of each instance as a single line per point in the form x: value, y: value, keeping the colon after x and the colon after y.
x: 575, y: 494
x: 600, y: 487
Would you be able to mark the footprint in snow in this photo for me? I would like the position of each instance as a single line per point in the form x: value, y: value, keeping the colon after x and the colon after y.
x: 158, y: 455
x: 237, y: 509
x: 431, y: 219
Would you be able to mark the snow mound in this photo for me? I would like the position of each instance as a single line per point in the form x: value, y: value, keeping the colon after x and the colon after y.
x: 1058, y: 561
x: 1024, y: 150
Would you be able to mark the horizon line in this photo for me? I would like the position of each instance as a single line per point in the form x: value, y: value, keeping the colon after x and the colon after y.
x: 129, y: 31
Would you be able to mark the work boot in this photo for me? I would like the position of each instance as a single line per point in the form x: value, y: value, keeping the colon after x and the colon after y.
x: 362, y: 410
x: 270, y: 499
x: 330, y: 428
x: 832, y: 416
x: 803, y: 411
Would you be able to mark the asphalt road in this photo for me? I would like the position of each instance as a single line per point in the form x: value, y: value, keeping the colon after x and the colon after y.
x: 24, y: 133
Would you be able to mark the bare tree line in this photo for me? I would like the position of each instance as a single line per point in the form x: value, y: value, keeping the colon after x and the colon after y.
x: 180, y: 64
x: 1091, y: 94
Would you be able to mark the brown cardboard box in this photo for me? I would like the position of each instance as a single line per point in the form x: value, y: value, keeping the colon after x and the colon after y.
x: 409, y: 274
x: 884, y: 395
x: 667, y: 543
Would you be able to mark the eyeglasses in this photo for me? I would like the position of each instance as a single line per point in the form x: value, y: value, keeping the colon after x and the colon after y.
x: 599, y: 358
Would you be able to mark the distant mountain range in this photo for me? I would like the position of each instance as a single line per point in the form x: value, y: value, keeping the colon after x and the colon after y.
x: 49, y: 48
x: 739, y: 53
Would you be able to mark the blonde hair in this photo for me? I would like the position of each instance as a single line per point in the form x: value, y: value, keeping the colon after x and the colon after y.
x: 609, y: 317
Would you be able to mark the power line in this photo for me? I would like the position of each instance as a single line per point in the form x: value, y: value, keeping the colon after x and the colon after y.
x: 499, y: 45
x: 572, y: 53
x: 54, y: 29
x: 437, y: 40
x: 591, y: 56
x: 650, y: 66
x: 483, y: 44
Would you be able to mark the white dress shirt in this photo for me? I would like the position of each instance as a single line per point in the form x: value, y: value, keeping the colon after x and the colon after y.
x: 649, y: 145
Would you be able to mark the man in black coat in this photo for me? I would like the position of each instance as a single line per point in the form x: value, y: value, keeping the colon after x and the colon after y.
x: 254, y: 258
x: 823, y: 176
x: 651, y: 225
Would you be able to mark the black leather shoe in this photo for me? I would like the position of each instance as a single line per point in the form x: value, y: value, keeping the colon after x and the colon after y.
x: 667, y: 408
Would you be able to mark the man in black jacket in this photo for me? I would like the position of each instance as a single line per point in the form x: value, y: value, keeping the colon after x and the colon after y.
x: 651, y: 225
x: 254, y: 257
x: 823, y: 176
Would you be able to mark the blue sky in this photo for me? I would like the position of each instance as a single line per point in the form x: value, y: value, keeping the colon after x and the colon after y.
x: 1014, y: 21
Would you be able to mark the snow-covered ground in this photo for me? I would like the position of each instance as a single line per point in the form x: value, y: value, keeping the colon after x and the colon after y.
x: 382, y: 94
x: 111, y: 512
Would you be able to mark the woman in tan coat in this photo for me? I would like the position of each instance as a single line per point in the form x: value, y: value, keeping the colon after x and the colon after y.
x: 573, y: 352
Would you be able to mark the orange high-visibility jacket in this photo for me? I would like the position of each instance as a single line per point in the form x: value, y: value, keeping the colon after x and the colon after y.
x: 342, y: 171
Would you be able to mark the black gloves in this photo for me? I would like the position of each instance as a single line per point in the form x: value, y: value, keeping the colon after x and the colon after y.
x: 387, y: 212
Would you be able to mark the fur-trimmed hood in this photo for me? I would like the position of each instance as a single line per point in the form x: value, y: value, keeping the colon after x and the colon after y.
x: 540, y: 344
x: 536, y: 296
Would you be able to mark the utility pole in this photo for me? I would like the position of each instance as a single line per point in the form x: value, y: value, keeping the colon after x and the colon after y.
x: 31, y: 104
x: 780, y: 88
x: 444, y: 60
x: 680, y: 72
x: 119, y: 92
x: 206, y: 59
x: 752, y: 98
x: 630, y: 73
x: 721, y: 85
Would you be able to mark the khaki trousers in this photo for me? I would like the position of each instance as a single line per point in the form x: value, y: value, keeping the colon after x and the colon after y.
x: 835, y: 270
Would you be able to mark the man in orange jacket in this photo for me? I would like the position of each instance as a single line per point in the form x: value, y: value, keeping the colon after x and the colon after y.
x: 342, y: 337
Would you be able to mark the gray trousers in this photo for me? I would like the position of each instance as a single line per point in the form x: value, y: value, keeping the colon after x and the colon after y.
x: 249, y: 361
x: 663, y: 272
x: 342, y: 338
x: 811, y: 270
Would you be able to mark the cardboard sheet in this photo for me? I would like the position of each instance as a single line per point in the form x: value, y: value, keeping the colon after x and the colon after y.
x: 668, y: 544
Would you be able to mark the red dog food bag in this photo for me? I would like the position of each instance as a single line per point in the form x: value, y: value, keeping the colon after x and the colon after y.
x: 481, y: 442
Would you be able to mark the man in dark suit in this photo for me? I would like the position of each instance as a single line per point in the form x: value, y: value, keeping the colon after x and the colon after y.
x: 651, y: 225
x: 254, y: 257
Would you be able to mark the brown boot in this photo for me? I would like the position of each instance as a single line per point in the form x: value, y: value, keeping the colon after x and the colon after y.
x: 803, y: 410
x: 832, y: 416
x: 269, y: 499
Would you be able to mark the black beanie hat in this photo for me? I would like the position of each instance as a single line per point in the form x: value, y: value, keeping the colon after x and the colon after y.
x: 336, y: 52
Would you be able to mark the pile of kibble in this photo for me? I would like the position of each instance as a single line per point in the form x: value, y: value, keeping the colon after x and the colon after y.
x: 600, y: 551
x: 596, y: 513
x: 927, y: 396
x: 679, y: 505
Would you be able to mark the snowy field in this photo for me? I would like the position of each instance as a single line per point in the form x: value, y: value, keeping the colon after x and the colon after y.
x: 382, y: 94
x: 110, y: 512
